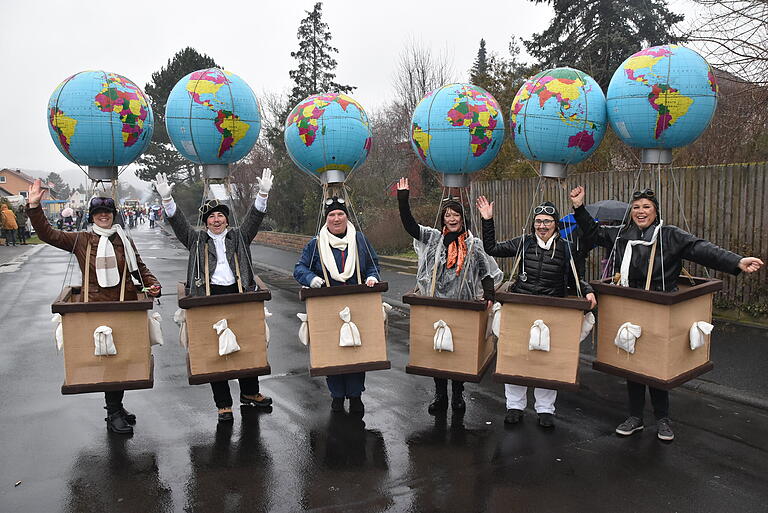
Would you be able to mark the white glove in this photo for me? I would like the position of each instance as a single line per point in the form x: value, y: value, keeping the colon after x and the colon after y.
x: 265, y: 182
x: 162, y: 186
x: 371, y: 281
x: 316, y: 282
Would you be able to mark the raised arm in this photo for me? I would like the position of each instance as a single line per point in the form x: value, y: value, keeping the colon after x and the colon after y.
x: 493, y: 248
x: 604, y: 236
x: 409, y: 223
x: 46, y: 233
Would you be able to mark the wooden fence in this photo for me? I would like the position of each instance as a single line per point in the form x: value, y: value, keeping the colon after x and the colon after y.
x: 725, y: 204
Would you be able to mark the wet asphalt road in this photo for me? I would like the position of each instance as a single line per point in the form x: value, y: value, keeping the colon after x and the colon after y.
x: 299, y: 457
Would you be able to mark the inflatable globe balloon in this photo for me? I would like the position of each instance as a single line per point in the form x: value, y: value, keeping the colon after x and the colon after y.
x: 212, y: 117
x: 456, y: 130
x: 661, y: 98
x: 100, y: 119
x: 558, y: 118
x: 328, y: 136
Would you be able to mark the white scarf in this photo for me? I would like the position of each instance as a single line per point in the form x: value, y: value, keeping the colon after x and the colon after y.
x: 547, y: 245
x: 106, y: 263
x: 626, y: 260
x: 222, y: 274
x: 326, y: 241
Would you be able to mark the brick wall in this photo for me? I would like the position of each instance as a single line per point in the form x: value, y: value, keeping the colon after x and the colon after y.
x: 281, y: 240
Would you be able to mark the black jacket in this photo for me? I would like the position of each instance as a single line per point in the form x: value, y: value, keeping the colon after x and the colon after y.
x: 547, y: 272
x: 675, y: 246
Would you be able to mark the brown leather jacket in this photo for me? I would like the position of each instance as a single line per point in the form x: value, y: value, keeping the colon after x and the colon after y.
x: 77, y: 242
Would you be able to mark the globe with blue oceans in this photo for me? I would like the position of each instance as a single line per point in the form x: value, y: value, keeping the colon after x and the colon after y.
x: 558, y: 116
x: 662, y: 97
x: 328, y: 132
x: 212, y: 117
x: 457, y: 129
x: 97, y: 118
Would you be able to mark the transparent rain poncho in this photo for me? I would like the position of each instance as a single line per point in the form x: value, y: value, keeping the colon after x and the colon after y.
x: 467, y: 284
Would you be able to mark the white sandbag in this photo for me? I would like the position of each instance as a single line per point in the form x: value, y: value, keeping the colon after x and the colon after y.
x: 698, y: 333
x: 56, y: 319
x: 587, y: 324
x: 102, y: 339
x: 227, y: 339
x: 627, y: 336
x: 303, y: 329
x: 539, y: 336
x: 443, y: 340
x: 155, y: 330
x: 180, y: 318
x: 493, y: 326
x: 267, y: 315
x: 349, y: 335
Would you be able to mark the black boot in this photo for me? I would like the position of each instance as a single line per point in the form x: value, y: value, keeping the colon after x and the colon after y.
x: 457, y: 396
x: 117, y: 424
x: 356, y: 405
x: 440, y: 403
x: 337, y: 404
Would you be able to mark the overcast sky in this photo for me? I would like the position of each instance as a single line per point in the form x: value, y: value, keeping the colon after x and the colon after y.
x: 44, y: 41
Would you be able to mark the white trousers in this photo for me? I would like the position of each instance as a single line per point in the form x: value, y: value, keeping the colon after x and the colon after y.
x: 517, y: 398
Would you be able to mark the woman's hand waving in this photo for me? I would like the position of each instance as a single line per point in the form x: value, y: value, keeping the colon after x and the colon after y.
x: 402, y: 184
x: 485, y: 208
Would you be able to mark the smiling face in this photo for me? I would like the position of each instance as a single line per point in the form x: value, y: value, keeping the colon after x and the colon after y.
x: 103, y: 219
x: 216, y: 222
x: 452, y: 220
x: 545, y: 226
x: 336, y: 221
x: 643, y: 213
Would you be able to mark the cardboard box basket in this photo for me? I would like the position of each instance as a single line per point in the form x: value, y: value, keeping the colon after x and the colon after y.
x: 326, y: 357
x: 663, y: 357
x: 244, y: 313
x: 472, y: 350
x: 130, y: 369
x: 554, y: 369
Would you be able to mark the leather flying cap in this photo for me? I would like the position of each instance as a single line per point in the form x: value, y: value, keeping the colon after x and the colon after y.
x: 99, y: 203
x: 457, y: 207
x: 211, y: 206
x: 335, y: 203
x: 649, y: 195
x: 546, y: 208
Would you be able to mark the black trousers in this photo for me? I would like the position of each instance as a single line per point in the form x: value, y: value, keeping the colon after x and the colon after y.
x: 659, y: 400
x: 114, y: 401
x: 441, y: 387
x: 248, y: 386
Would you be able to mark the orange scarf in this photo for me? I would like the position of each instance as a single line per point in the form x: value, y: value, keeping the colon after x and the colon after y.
x: 457, y: 252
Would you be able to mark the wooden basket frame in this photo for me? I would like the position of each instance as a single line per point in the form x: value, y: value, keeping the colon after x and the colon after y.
x: 203, y: 303
x: 700, y: 287
x: 68, y: 303
x: 308, y: 295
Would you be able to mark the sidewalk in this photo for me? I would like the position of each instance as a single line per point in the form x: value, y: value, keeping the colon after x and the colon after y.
x: 739, y: 352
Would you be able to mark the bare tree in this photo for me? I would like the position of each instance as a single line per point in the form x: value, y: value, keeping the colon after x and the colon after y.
x: 734, y: 35
x: 419, y: 71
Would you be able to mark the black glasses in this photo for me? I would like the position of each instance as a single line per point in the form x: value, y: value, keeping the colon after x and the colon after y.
x: 331, y: 201
x: 208, y: 205
x: 543, y: 222
x: 544, y: 209
x: 99, y: 202
x: 647, y: 193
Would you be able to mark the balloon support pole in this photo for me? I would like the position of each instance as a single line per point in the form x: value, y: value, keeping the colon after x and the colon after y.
x: 216, y: 171
x: 554, y: 170
x: 102, y: 173
x: 656, y: 156
x: 454, y: 180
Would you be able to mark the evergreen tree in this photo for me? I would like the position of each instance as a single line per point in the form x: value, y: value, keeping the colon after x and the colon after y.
x: 297, y: 197
x: 161, y: 156
x: 59, y: 188
x: 316, y: 64
x: 596, y: 36
x: 479, y: 71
